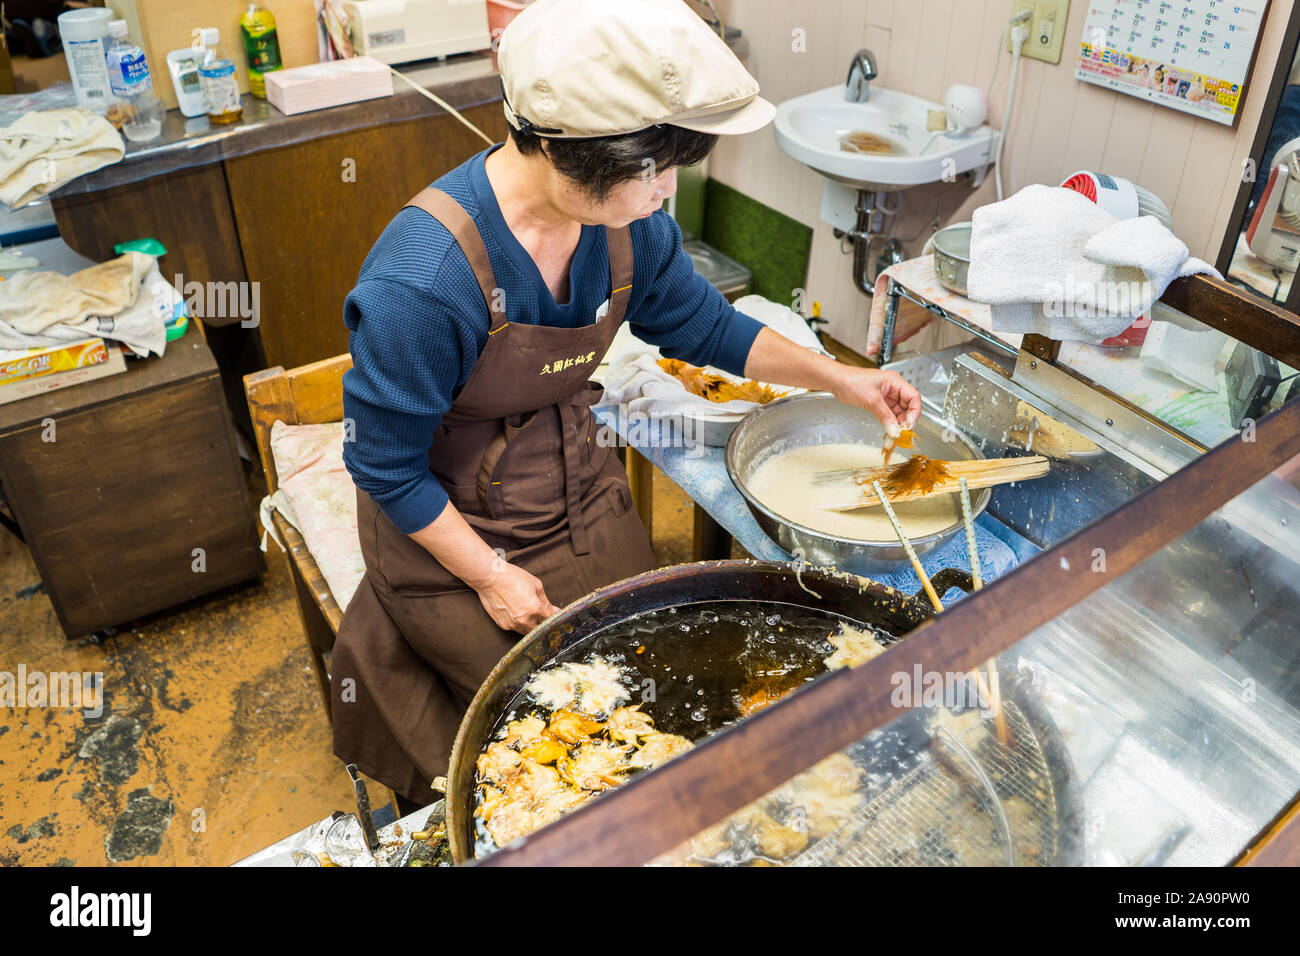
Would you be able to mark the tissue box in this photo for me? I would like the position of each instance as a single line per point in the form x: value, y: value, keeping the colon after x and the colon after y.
x: 322, y: 85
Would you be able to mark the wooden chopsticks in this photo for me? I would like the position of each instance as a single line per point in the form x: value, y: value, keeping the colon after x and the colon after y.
x: 987, y: 689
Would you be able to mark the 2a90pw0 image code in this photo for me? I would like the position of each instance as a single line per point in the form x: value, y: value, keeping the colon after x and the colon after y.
x: 1191, y: 897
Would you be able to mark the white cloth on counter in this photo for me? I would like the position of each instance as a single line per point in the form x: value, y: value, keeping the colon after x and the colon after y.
x: 41, y: 151
x: 1050, y: 261
x: 635, y: 379
x: 125, y: 299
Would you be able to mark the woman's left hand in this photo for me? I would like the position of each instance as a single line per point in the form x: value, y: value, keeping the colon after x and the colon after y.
x: 884, y: 393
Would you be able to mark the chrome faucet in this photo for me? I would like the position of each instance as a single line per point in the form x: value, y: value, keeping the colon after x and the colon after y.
x: 857, y: 88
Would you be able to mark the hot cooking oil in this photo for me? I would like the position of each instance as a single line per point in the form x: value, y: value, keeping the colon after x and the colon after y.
x: 699, y: 668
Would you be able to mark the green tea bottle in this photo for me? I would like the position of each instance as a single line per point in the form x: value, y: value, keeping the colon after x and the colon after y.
x: 257, y: 27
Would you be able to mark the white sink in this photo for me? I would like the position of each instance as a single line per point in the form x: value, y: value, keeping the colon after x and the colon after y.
x: 810, y: 128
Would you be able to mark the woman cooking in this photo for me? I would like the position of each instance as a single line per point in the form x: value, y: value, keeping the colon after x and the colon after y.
x: 484, y: 501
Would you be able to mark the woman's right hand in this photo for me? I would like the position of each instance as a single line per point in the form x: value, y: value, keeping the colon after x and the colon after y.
x: 514, y: 599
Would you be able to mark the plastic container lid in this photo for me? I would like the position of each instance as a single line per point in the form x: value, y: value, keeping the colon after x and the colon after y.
x: 88, y: 24
x: 117, y: 28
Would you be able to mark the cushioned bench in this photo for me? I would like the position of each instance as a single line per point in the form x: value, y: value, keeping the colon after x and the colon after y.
x: 298, y: 423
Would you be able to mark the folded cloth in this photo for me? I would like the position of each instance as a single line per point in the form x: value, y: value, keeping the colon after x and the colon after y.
x: 125, y: 299
x: 1191, y: 356
x: 1050, y: 261
x: 41, y: 151
x: 635, y: 379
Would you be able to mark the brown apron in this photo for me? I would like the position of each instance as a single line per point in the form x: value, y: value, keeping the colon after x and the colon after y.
x: 518, y: 456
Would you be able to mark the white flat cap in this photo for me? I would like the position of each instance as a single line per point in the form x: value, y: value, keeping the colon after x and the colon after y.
x: 579, y: 68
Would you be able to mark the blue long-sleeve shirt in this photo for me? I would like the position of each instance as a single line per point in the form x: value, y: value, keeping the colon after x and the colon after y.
x: 418, y: 322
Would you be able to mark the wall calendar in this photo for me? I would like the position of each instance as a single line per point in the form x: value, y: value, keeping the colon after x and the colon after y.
x: 1190, y: 55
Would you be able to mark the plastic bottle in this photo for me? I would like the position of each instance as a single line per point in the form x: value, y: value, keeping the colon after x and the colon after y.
x: 261, y: 45
x: 85, y: 42
x: 137, y: 107
x: 217, y: 75
x: 183, y: 65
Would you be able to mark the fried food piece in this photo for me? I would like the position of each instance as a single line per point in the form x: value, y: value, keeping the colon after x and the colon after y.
x: 777, y: 841
x: 906, y: 439
x: 600, y: 687
x: 704, y: 847
x: 545, y: 751
x: 628, y: 725
x: 571, y: 727
x: 852, y: 647
x: 716, y: 388
x: 594, y: 688
x: 521, y: 733
x: 554, y: 687
x: 509, y: 821
x: 498, y: 763
x: 533, y: 797
x: 595, y: 765
x: 825, y: 794
x: 659, y: 749
x: 539, y: 782
x: 489, y: 799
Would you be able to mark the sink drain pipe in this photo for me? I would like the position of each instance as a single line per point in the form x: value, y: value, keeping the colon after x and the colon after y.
x: 864, y: 238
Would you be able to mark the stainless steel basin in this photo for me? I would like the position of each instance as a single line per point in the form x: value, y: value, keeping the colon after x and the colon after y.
x: 818, y: 419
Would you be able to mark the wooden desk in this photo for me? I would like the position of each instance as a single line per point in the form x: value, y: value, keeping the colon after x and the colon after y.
x: 139, y: 502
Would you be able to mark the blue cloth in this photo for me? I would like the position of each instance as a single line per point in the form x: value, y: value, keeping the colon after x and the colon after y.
x: 418, y: 322
x: 701, y: 472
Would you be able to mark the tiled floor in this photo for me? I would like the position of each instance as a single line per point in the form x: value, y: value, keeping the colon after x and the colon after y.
x: 213, y: 742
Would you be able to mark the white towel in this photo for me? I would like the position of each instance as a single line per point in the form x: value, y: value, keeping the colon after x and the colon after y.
x: 1050, y: 261
x: 41, y: 151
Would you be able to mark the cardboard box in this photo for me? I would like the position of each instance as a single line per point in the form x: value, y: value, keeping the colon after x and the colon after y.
x: 160, y: 26
x: 51, y: 359
x: 27, y: 387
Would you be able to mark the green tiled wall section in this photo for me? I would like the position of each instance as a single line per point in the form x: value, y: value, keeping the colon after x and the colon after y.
x: 772, y: 245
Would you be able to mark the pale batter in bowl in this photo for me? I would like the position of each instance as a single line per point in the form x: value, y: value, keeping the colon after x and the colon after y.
x: 784, y: 485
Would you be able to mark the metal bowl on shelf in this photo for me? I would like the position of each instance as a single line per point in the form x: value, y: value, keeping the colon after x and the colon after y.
x: 952, y: 256
x: 818, y: 419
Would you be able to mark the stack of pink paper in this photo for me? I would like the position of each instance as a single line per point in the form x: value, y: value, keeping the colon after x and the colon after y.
x: 322, y: 85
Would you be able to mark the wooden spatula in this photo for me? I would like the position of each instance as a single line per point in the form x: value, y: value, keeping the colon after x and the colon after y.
x: 941, y: 477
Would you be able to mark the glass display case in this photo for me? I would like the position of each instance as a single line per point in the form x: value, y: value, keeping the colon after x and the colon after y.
x: 1128, y: 695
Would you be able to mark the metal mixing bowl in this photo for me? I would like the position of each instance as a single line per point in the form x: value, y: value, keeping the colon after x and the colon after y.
x: 952, y: 256
x: 818, y: 419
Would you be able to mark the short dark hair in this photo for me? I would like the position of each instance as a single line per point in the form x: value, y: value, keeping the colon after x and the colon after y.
x: 600, y: 163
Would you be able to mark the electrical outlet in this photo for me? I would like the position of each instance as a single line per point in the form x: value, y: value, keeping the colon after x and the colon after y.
x: 1046, y: 28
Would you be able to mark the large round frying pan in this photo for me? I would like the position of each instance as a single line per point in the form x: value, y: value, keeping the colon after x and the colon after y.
x: 856, y: 598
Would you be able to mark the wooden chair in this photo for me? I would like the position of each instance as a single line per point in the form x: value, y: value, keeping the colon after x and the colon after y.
x: 308, y: 395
